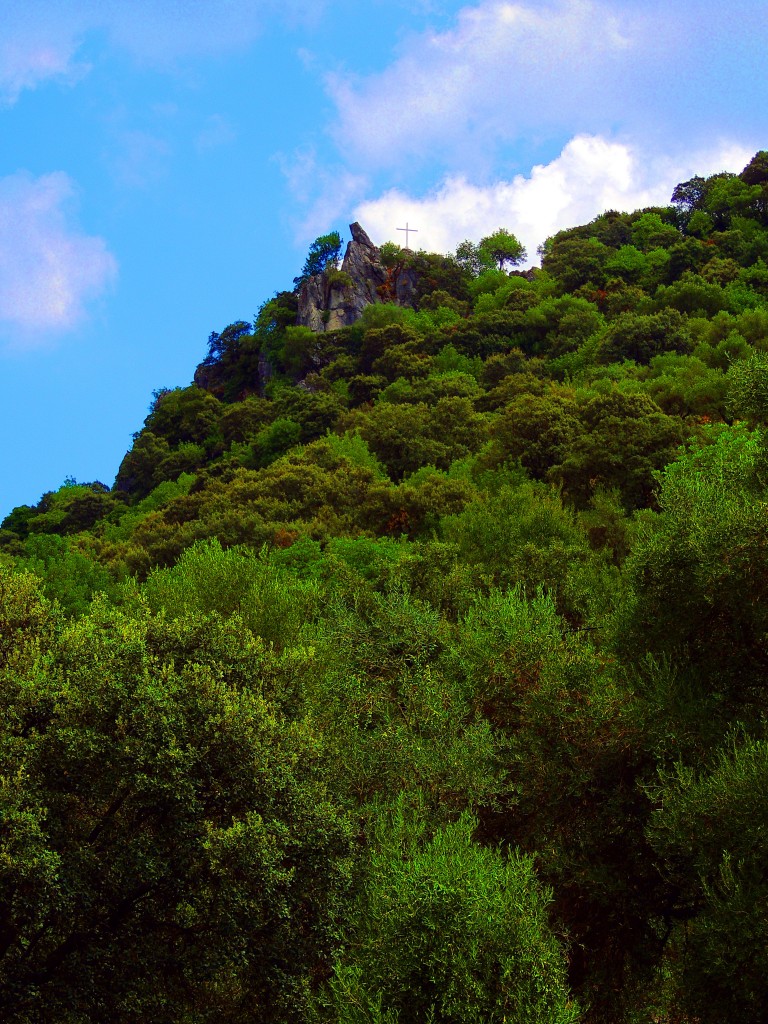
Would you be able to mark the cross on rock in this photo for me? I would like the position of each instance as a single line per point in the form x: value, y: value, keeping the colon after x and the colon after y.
x: 408, y: 230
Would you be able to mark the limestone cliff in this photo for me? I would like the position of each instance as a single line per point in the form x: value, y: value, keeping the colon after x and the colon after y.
x: 329, y: 300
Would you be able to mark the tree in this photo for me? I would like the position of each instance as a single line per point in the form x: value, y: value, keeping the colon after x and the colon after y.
x: 689, y: 195
x: 756, y: 171
x: 699, y: 586
x: 221, y: 346
x: 575, y: 261
x: 325, y: 250
x: 627, y: 439
x: 748, y: 389
x: 450, y: 932
x: 708, y: 833
x: 468, y: 257
x: 390, y: 254
x: 230, y: 371
x: 642, y: 337
x: 161, y: 821
x: 501, y: 248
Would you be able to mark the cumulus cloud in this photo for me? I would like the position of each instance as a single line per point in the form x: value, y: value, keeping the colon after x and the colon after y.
x: 503, y: 69
x: 592, y: 174
x: 49, y: 269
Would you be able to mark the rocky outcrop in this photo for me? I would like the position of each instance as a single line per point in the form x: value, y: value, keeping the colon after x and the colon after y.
x: 332, y: 300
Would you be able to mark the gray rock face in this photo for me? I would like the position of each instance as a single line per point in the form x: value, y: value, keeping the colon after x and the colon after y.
x: 327, y: 305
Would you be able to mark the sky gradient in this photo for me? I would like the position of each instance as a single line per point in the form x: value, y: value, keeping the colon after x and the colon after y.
x: 165, y: 165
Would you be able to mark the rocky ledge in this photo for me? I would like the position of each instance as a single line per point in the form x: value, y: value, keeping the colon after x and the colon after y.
x: 336, y: 299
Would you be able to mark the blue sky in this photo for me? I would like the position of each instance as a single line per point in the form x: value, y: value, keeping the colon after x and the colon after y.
x: 165, y: 164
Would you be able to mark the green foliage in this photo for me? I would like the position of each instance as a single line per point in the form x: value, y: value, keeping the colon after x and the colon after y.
x: 696, y: 569
x: 694, y: 295
x: 685, y: 385
x: 748, y: 389
x: 573, y: 749
x: 338, y: 278
x: 139, y: 848
x: 708, y: 833
x: 353, y: 448
x: 298, y: 346
x: 468, y: 257
x: 625, y: 439
x: 273, y: 318
x: 392, y: 721
x: 390, y: 254
x: 449, y: 358
x: 652, y: 231
x: 642, y: 337
x: 537, y: 429
x: 501, y: 248
x: 269, y: 601
x: 446, y: 574
x: 323, y: 252
x: 274, y: 440
x: 405, y: 437
x: 522, y: 536
x: 68, y: 575
x: 72, y: 508
x: 450, y: 932
x: 121, y: 527
x: 231, y: 369
x: 382, y: 314
x: 575, y: 262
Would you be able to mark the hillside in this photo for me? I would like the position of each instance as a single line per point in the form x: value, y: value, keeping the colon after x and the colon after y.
x: 413, y: 668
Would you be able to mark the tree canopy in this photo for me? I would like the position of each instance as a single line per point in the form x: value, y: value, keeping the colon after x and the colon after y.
x: 501, y: 248
x: 323, y: 252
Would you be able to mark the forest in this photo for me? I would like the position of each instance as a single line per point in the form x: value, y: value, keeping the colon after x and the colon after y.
x: 414, y: 671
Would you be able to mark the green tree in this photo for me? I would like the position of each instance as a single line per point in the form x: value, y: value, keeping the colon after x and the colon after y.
x: 520, y: 537
x: 468, y: 257
x: 231, y: 369
x: 708, y: 834
x: 536, y: 429
x: 651, y: 231
x: 574, y: 262
x: 184, y: 414
x: 449, y: 932
x: 748, y: 389
x: 501, y: 248
x: 689, y: 195
x: 626, y: 440
x: 390, y: 254
x: 323, y: 252
x: 138, y: 472
x: 574, y: 752
x: 161, y: 821
x: 641, y: 338
x: 698, y: 586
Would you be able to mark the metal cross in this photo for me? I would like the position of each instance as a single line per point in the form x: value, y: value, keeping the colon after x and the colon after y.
x: 408, y: 230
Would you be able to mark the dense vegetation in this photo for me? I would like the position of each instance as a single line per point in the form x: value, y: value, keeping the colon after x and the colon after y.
x: 414, y: 672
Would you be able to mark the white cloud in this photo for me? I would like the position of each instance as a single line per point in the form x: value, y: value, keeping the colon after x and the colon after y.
x: 31, y: 52
x: 504, y: 69
x: 49, y: 269
x: 591, y: 175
